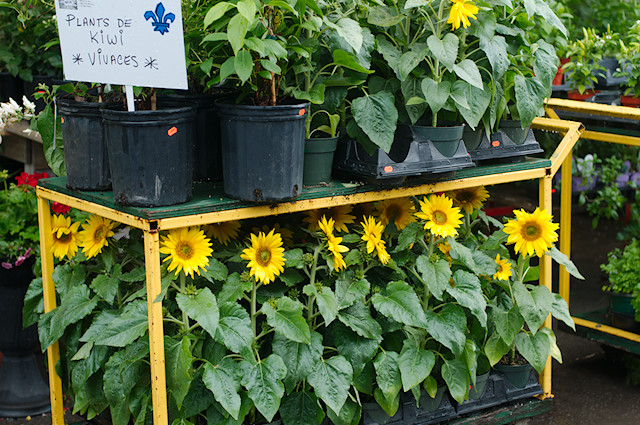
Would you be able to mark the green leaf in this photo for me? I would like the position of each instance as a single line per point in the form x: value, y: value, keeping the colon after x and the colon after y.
x: 236, y: 31
x: 76, y: 305
x: 495, y: 348
x: 560, y: 310
x: 297, y: 357
x: 435, y: 275
x: 350, y: 31
x: 355, y: 348
x: 215, y: 271
x: 408, y: 62
x: 106, y: 287
x: 234, y: 328
x: 469, y: 72
x: 271, y: 66
x: 349, y: 289
x: 467, y: 290
x: 445, y: 50
x: 411, y: 89
x: 554, y: 350
x: 435, y: 93
x: 454, y: 373
x: 123, y: 329
x: 508, y: 323
x: 223, y: 381
x: 247, y: 8
x: 562, y: 259
x: 415, y: 365
x: 381, y: 17
x: 286, y: 318
x: 390, y: 406
x: 83, y: 369
x: 534, y: 348
x: 123, y: 370
x: 301, y: 408
x: 478, y: 101
x: 50, y: 130
x: 347, y: 60
x: 243, y: 65
x: 377, y: 116
x: 415, y: 3
x: 263, y: 382
x: 530, y: 95
x: 388, y: 374
x: 348, y: 415
x: 408, y: 236
x: 358, y: 318
x: 400, y: 302
x: 431, y: 386
x: 390, y: 53
x: 201, y: 307
x: 178, y: 366
x: 216, y: 12
x: 448, y: 327
x: 496, y: 51
x: 528, y: 308
x: 471, y: 359
x: 326, y: 301
x: 331, y: 380
x: 216, y: 36
x: 233, y: 289
x: 255, y: 44
x: 33, y: 303
x: 273, y: 47
x: 461, y: 254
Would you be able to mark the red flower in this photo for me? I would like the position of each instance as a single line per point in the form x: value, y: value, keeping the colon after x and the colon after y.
x: 30, y: 179
x: 59, y: 208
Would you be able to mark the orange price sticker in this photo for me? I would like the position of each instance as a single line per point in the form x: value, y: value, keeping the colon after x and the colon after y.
x: 301, y: 112
x: 495, y: 143
x: 388, y: 169
x: 62, y: 120
x: 172, y: 131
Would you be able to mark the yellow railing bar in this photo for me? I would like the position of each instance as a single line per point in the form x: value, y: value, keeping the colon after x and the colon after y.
x: 564, y: 281
x: 545, y: 186
x: 571, y: 130
x: 607, y: 329
x: 594, y: 108
x: 611, y: 138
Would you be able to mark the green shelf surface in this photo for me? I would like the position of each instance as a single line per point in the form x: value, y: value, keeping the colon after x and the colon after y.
x: 601, y: 316
x: 209, y: 197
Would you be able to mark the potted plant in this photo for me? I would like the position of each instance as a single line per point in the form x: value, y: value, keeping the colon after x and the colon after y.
x: 318, y: 151
x: 629, y: 69
x: 622, y: 286
x: 23, y: 390
x: 583, y: 69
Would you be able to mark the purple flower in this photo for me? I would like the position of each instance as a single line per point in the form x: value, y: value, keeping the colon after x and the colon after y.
x: 7, y: 266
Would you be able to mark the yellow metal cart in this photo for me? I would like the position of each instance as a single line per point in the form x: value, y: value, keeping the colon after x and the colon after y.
x: 210, y: 206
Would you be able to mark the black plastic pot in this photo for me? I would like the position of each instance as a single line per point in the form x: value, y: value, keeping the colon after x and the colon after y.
x: 318, y: 160
x: 85, y: 155
x: 150, y: 154
x: 207, y: 151
x: 22, y: 389
x: 511, y: 143
x: 431, y: 410
x: 10, y: 87
x: 262, y: 150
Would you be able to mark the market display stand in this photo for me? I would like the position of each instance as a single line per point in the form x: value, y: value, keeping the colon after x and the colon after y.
x: 209, y: 205
x: 595, y: 325
x: 24, y: 147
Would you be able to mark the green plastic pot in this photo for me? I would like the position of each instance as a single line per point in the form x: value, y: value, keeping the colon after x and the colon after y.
x: 518, y: 375
x: 318, y: 160
x: 472, y: 138
x: 476, y: 392
x: 621, y: 304
x: 445, y: 139
x: 513, y: 129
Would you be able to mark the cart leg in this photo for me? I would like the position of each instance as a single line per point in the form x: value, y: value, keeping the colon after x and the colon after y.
x: 156, y: 334
x: 565, y: 226
x: 545, y: 278
x: 49, y: 294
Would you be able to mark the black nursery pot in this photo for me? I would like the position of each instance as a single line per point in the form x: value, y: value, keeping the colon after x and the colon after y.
x: 262, y: 150
x: 150, y: 154
x: 14, y: 340
x: 85, y: 155
x: 10, y: 87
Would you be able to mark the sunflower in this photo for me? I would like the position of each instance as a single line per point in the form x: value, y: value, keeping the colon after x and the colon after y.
x: 442, y: 218
x: 333, y: 244
x: 532, y: 232
x: 341, y: 215
x: 504, y: 269
x: 189, y: 249
x: 461, y: 11
x: 65, y: 236
x: 326, y: 225
x: 470, y: 198
x: 285, y: 234
x: 400, y: 211
x: 223, y: 232
x: 266, y: 256
x: 373, y: 236
x: 94, y: 234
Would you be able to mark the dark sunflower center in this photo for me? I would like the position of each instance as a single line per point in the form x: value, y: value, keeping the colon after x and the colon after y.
x: 263, y: 257
x: 464, y: 197
x: 65, y: 238
x: 393, y: 211
x: 531, y: 231
x: 184, y: 250
x: 99, y: 234
x: 439, y: 217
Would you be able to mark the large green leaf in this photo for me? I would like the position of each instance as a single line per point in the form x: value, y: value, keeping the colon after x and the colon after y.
x: 435, y: 93
x: 377, y: 116
x: 445, y: 50
x: 216, y: 12
x: 546, y: 64
x: 223, y: 381
x: 530, y: 95
x: 287, y: 320
x: 83, y: 369
x: 201, y: 307
x: 388, y: 374
x: 454, y: 373
x: 467, y: 290
x: 448, y: 327
x: 215, y: 271
x: 236, y: 31
x: 301, y: 408
x: 326, y: 301
x: 508, y: 323
x: 349, y: 289
x: 478, y: 101
x: 234, y: 330
x: 415, y: 365
x: 263, y: 382
x: 542, y: 9
x: 243, y: 65
x: 358, y: 318
x: 470, y: 357
x: 178, y: 366
x: 435, y: 275
x: 390, y: 53
x: 390, y: 406
x: 331, y: 379
x: 381, y: 16
x: 560, y: 310
x: 399, y: 302
x: 349, y: 415
x: 76, y: 305
x: 355, y: 348
x: 495, y: 348
x: 106, y: 287
x: 562, y: 259
x: 496, y: 51
x: 461, y: 254
x: 468, y: 71
x: 347, y: 60
x: 126, y: 327
x: 299, y: 358
x: 554, y: 350
x: 528, y: 308
x: 233, y: 289
x: 51, y: 132
x: 408, y: 62
x: 247, y: 8
x: 534, y: 348
x: 412, y: 87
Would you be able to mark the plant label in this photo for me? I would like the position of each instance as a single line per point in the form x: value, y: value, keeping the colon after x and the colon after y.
x: 126, y: 42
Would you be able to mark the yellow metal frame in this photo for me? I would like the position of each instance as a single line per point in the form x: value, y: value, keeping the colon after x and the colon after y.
x: 151, y: 228
x: 593, y: 109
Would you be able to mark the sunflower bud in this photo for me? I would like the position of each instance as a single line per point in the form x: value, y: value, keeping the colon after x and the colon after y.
x: 294, y: 294
x: 359, y: 274
x: 246, y: 277
x: 308, y: 259
x: 190, y: 290
x: 433, y: 258
x: 376, y: 289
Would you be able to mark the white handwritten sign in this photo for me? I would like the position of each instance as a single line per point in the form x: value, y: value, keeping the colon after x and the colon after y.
x: 127, y: 42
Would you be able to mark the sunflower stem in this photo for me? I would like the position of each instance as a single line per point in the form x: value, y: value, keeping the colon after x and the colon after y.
x: 183, y: 287
x: 431, y: 244
x: 254, y: 303
x: 312, y: 281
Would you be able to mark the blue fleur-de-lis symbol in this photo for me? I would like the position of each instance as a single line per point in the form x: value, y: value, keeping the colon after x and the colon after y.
x: 161, y: 21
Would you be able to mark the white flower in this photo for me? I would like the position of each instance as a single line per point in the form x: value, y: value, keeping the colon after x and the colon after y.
x: 29, y: 106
